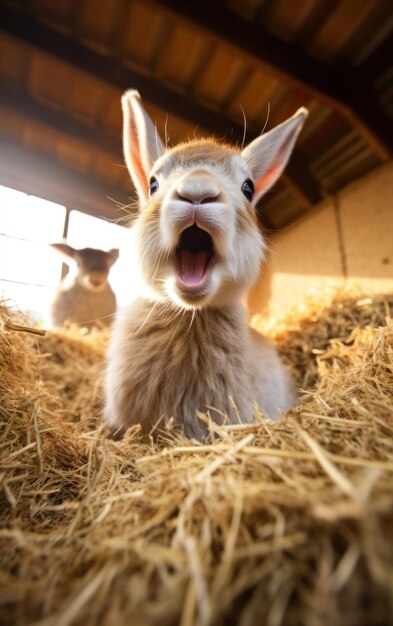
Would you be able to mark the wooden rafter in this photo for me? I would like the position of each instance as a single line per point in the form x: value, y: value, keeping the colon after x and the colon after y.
x: 32, y: 31
x: 22, y: 103
x: 25, y: 105
x: 43, y: 176
x: 378, y: 63
x: 336, y: 87
x: 29, y: 29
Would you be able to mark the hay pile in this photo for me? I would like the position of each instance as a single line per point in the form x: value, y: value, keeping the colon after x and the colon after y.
x: 288, y: 523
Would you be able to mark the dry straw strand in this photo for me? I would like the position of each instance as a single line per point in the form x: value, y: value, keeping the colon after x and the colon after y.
x: 271, y: 523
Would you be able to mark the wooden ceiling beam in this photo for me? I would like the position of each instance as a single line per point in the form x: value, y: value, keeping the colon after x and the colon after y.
x: 377, y: 63
x: 302, y: 184
x: 30, y: 30
x: 61, y: 121
x: 47, y: 178
x: 331, y: 85
x: 319, y: 13
x: 296, y: 175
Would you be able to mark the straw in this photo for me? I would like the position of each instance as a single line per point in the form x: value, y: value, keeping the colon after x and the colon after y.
x: 281, y: 523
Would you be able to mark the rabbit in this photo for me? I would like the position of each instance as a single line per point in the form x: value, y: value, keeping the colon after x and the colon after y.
x: 184, y: 346
x: 85, y: 296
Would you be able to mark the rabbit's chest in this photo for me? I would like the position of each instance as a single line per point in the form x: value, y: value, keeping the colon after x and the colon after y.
x: 198, y: 364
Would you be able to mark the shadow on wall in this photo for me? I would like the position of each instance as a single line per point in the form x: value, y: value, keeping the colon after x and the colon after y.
x: 347, y: 237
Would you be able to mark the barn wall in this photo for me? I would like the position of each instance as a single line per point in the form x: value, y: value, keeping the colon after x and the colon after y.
x: 349, y: 237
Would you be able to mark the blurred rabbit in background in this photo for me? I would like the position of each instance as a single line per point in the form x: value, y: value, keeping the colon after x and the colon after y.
x: 85, y: 296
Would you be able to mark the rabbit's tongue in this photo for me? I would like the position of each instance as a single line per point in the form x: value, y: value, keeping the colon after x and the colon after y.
x: 193, y: 266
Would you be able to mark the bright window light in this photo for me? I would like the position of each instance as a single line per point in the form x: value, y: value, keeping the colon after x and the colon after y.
x: 29, y: 268
x: 86, y: 231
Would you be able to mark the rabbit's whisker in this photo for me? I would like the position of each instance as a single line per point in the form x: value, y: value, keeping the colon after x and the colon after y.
x: 197, y: 349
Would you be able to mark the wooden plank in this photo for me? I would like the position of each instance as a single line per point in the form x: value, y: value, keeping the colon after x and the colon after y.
x: 297, y: 174
x: 336, y: 87
x: 61, y: 121
x: 301, y: 182
x: 46, y: 178
x: 29, y: 29
x: 378, y: 63
x: 319, y: 13
x: 109, y: 70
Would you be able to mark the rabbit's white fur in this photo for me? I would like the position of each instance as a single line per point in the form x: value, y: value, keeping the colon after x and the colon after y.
x: 184, y: 346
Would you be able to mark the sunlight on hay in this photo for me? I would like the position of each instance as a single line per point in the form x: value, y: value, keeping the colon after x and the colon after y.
x: 273, y: 523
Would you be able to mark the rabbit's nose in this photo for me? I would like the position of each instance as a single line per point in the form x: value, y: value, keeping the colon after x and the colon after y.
x: 198, y: 190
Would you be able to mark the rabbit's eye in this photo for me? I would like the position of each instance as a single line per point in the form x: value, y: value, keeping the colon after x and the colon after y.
x: 248, y: 189
x: 153, y: 185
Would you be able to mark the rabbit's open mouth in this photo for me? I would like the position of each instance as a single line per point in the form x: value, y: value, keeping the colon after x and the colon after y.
x: 194, y: 255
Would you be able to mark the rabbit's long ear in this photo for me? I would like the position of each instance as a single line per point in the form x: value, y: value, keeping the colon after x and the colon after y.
x: 141, y: 143
x: 64, y: 249
x: 268, y: 155
x: 113, y: 255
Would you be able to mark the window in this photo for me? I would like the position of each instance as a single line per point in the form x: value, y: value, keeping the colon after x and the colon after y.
x: 30, y: 270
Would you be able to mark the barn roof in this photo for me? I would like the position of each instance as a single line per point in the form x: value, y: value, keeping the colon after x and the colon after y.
x: 201, y: 67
